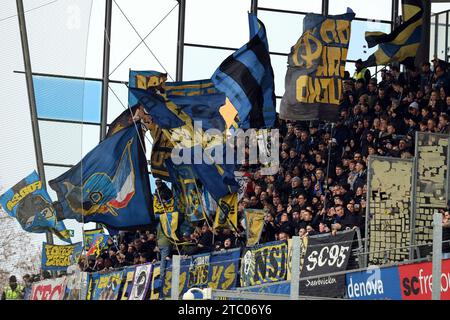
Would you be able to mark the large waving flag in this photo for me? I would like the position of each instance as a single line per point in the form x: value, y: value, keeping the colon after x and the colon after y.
x: 110, y: 185
x: 217, y: 178
x: 316, y: 68
x: 29, y: 202
x: 246, y: 77
x: 403, y: 42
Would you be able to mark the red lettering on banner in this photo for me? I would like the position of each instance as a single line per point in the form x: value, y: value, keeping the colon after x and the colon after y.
x: 48, y: 292
x: 416, y: 281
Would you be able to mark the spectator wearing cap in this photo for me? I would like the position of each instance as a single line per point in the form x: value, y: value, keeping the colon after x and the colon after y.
x: 413, y: 109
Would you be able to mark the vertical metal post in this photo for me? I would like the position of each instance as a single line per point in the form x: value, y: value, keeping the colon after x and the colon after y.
x: 436, y: 34
x: 437, y: 256
x: 325, y: 7
x: 176, y: 266
x: 446, y: 36
x: 394, y: 14
x: 423, y: 53
x: 31, y: 98
x: 366, y: 232
x: 295, y: 268
x: 105, y: 77
x: 254, y: 7
x: 412, y: 223
x: 180, y: 42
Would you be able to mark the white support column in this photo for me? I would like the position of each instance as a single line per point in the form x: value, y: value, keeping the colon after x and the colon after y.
x: 437, y: 255
x: 295, y: 268
x: 174, y: 293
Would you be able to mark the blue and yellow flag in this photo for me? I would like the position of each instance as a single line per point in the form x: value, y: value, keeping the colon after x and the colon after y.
x: 403, y: 42
x: 110, y: 185
x: 190, y: 88
x: 316, y: 66
x: 227, y: 212
x: 187, y: 191
x: 29, y: 202
x: 170, y: 222
x: 246, y: 77
x: 217, y: 178
x: 123, y: 121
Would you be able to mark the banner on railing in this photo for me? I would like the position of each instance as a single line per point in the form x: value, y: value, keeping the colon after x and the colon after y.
x: 141, y: 282
x: 264, y: 263
x: 50, y: 289
x: 325, y: 255
x: 223, y: 269
x: 128, y: 278
x: 108, y: 286
x: 375, y: 283
x: 184, y: 277
x: 416, y: 280
x: 76, y: 286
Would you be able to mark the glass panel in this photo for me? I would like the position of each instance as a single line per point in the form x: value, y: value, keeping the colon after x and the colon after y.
x: 52, y: 172
x: 279, y: 65
x: 448, y: 36
x: 94, y: 50
x: 67, y: 143
x: 117, y: 100
x: 299, y: 5
x: 201, y: 63
x: 67, y: 99
x: 380, y: 10
x: 358, y: 45
x: 441, y: 36
x: 221, y: 23
x: 127, y: 49
x: 17, y: 159
x: 288, y: 25
x: 439, y: 7
x: 57, y: 36
x: 432, y: 36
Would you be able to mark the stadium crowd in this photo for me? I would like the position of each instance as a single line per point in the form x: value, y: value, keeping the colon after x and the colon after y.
x: 321, y: 183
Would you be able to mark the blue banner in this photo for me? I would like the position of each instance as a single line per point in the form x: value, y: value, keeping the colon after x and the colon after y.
x: 224, y: 269
x: 29, y: 202
x: 108, y: 285
x: 374, y: 284
x: 110, y: 185
x: 184, y: 277
x: 56, y: 257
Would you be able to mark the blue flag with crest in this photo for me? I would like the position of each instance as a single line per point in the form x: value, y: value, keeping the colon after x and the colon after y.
x: 110, y: 185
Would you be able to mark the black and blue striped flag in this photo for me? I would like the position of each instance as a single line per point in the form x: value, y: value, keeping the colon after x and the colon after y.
x: 246, y: 78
